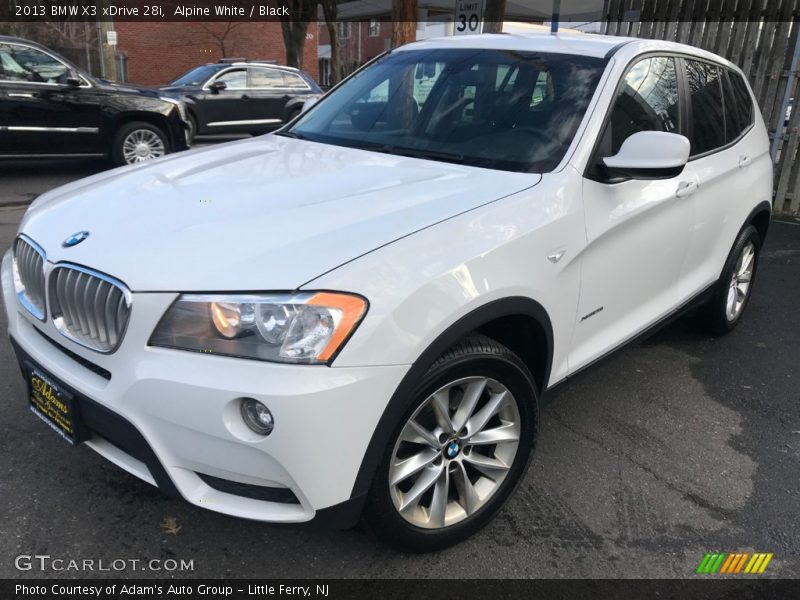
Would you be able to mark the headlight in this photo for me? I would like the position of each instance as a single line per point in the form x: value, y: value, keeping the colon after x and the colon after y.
x: 181, y: 107
x: 295, y: 328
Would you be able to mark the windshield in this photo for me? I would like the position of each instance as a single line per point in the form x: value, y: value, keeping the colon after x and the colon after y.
x: 499, y: 109
x: 197, y: 76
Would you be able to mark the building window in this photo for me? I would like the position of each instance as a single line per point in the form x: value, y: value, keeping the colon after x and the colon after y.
x: 374, y: 28
x: 343, y: 29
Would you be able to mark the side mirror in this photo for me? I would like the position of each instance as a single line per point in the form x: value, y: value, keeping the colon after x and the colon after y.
x: 217, y: 87
x: 73, y: 80
x: 649, y: 155
x: 308, y: 104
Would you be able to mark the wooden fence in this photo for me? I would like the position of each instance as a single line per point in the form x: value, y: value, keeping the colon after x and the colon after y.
x: 761, y: 36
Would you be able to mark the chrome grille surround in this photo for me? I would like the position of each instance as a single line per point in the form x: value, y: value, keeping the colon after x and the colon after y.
x: 29, y: 282
x: 88, y: 307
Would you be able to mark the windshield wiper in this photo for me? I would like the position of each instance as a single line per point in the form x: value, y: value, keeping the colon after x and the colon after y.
x: 291, y: 134
x: 421, y: 153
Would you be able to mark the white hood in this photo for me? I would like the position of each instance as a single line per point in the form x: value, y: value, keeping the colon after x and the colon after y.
x: 268, y: 213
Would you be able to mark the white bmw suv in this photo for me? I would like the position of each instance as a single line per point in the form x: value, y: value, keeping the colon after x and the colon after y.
x: 361, y: 312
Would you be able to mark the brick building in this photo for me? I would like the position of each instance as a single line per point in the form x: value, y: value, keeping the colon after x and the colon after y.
x: 365, y: 28
x: 158, y: 53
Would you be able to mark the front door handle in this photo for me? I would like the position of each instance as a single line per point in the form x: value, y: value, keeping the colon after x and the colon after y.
x: 245, y: 97
x: 19, y: 95
x: 744, y: 161
x: 686, y: 188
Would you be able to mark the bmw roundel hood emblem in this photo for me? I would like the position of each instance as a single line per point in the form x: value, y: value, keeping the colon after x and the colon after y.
x: 75, y: 239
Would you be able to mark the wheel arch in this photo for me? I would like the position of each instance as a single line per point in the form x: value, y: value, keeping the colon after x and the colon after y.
x: 293, y: 105
x: 759, y: 218
x: 510, y: 321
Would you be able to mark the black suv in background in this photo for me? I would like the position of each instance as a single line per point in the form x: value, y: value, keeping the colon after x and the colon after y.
x: 50, y: 109
x: 242, y: 97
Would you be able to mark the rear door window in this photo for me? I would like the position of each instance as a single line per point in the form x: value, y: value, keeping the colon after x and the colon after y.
x: 294, y: 81
x: 264, y: 78
x: 707, y: 127
x: 738, y: 105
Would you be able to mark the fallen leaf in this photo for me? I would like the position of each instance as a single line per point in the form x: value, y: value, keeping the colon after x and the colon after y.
x: 170, y: 525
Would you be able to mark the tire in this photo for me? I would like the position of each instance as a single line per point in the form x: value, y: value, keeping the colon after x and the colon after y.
x: 729, y: 299
x: 149, y: 134
x: 479, y: 368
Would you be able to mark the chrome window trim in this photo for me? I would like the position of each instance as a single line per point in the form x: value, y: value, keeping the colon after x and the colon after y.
x: 50, y: 129
x: 244, y: 122
x: 51, y: 155
x: 57, y: 321
x: 23, y: 300
x: 207, y: 85
x: 55, y: 58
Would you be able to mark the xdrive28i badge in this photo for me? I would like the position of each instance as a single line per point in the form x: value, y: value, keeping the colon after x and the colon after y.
x: 75, y: 239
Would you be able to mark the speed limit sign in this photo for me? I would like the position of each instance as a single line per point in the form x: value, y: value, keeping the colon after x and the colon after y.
x: 468, y: 17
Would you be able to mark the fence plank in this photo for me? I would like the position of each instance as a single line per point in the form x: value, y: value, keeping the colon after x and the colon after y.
x: 712, y: 17
x: 660, y: 20
x: 725, y: 26
x: 777, y: 64
x: 787, y: 159
x: 612, y: 23
x: 763, y: 51
x: 687, y: 18
x: 698, y: 23
x: 753, y: 29
x: 625, y: 24
x: 739, y: 31
x: 787, y: 65
x: 636, y: 26
x: 647, y: 20
x: 673, y: 13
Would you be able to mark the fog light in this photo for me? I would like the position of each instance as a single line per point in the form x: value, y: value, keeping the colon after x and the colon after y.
x: 257, y: 416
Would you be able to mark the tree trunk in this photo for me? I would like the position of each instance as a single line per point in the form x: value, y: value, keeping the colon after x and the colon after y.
x: 294, y: 28
x: 404, y: 22
x: 493, y: 16
x: 329, y: 9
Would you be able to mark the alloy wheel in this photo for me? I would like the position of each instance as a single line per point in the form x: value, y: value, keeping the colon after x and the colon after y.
x: 142, y: 144
x: 739, y: 285
x: 454, y: 452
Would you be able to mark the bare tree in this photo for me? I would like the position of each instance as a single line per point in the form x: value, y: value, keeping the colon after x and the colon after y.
x: 493, y: 16
x: 404, y: 22
x: 221, y: 35
x: 74, y: 38
x: 330, y: 10
x: 295, y: 27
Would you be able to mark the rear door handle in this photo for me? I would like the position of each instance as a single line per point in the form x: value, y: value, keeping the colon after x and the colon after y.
x: 245, y: 97
x: 686, y: 188
x: 744, y: 161
x: 19, y: 95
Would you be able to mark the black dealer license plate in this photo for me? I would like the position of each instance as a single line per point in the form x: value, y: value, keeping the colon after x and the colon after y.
x: 53, y: 404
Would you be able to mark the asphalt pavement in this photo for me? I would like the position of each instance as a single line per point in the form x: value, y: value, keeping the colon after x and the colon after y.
x: 678, y: 446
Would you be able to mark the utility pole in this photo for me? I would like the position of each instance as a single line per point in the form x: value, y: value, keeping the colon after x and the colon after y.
x: 556, y: 16
x: 108, y: 67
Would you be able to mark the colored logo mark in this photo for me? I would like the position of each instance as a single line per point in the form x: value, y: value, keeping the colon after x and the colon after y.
x: 75, y: 239
x: 734, y: 563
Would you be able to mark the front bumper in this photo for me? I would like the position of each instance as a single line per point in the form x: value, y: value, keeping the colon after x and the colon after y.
x: 182, y: 408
